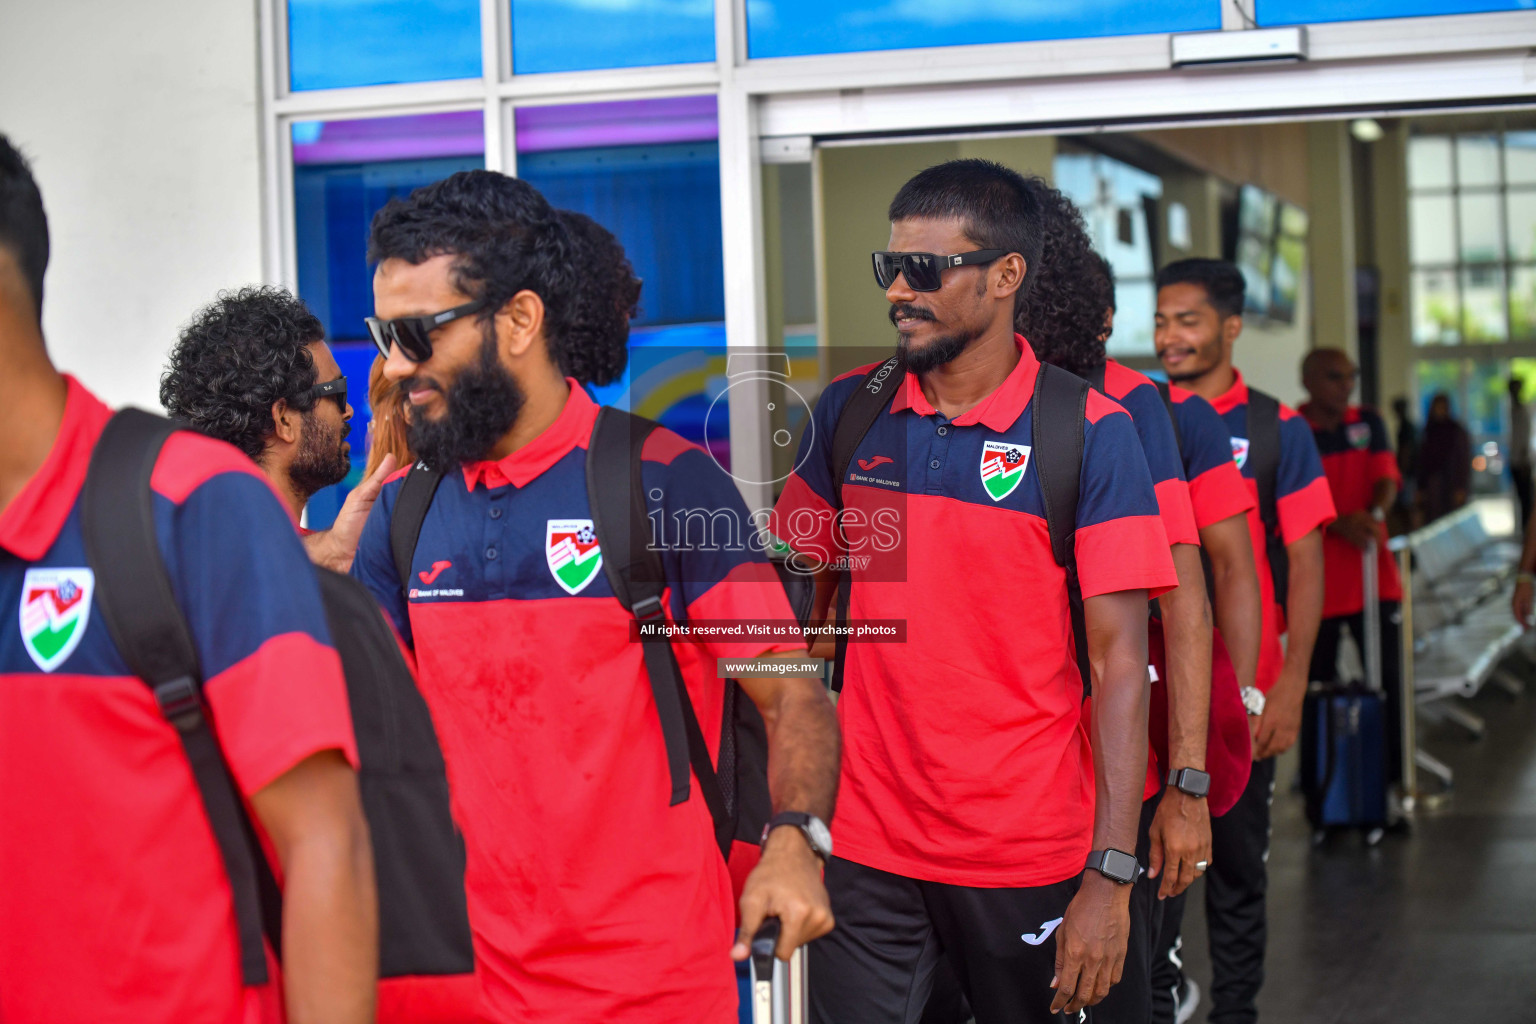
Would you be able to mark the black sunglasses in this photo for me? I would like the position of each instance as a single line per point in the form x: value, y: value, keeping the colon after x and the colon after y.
x: 924, y: 270
x: 336, y: 389
x: 414, y: 333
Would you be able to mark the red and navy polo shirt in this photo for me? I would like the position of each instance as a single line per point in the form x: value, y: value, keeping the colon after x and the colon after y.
x: 115, y: 904
x: 1302, y: 503
x: 965, y: 758
x: 1356, y: 455
x: 590, y: 898
x: 1216, y: 488
x: 1138, y: 396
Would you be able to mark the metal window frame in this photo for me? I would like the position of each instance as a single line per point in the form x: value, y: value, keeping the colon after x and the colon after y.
x: 1381, y: 67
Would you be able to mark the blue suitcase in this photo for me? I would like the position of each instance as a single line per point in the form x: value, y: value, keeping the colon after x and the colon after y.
x: 1344, y: 758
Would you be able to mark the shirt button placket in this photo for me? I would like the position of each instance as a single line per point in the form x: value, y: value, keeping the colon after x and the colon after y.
x: 938, y: 455
x: 492, y: 552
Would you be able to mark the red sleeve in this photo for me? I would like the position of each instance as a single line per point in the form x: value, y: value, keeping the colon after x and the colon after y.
x: 1125, y: 554
x: 803, y: 520
x: 1384, y: 467
x: 1220, y: 493
x: 750, y: 593
x: 284, y: 702
x: 1305, y: 510
x: 1177, y: 512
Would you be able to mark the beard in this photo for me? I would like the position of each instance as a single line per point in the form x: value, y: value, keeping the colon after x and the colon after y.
x: 483, y: 403
x: 322, y: 458
x: 944, y: 349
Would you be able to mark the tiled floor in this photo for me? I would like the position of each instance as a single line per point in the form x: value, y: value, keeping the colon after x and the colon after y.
x: 1437, y: 926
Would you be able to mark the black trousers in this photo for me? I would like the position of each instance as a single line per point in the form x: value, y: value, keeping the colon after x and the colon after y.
x: 879, y: 964
x: 1325, y: 660
x: 1235, y: 888
x: 1521, y: 475
x: 1130, y: 1001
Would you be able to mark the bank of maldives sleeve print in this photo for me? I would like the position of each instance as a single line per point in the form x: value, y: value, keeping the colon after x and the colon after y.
x: 1121, y: 544
x: 271, y: 676
x: 1303, y: 500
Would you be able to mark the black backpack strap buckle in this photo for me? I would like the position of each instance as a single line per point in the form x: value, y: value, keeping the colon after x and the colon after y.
x: 647, y: 608
x: 181, y: 702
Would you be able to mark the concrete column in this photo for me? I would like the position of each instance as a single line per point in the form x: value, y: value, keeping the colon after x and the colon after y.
x: 1389, y: 197
x: 1331, y: 245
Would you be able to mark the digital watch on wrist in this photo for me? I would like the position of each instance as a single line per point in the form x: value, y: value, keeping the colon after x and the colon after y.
x: 1190, y: 781
x: 1115, y: 865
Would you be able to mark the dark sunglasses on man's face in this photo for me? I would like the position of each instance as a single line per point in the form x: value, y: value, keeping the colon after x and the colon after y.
x: 336, y: 389
x: 414, y: 333
x: 924, y: 270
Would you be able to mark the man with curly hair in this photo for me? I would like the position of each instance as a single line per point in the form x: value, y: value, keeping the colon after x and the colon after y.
x: 253, y: 369
x: 116, y: 904
x: 594, y: 895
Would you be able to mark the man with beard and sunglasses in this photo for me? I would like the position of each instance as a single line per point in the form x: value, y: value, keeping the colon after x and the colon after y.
x: 592, y: 899
x: 253, y: 369
x: 977, y: 823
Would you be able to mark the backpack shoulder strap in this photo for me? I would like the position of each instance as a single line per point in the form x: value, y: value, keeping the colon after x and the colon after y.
x: 134, y: 598
x: 868, y: 401
x: 1264, y: 452
x: 1166, y: 394
x: 1058, y: 407
x: 864, y: 406
x: 411, y: 505
x: 616, y: 493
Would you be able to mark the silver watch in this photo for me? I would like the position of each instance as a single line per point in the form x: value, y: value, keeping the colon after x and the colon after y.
x: 1253, y: 700
x: 816, y: 832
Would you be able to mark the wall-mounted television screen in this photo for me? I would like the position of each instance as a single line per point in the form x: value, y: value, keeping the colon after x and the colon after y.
x: 1255, y: 250
x: 1289, y: 262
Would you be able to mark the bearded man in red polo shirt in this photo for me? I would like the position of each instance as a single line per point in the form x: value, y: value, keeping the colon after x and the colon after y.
x: 975, y: 813
x: 1363, y: 478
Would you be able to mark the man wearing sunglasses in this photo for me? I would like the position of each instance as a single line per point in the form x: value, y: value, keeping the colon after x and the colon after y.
x: 972, y: 799
x: 596, y: 891
x: 253, y: 369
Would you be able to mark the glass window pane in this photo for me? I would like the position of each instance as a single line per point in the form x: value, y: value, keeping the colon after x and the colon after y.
x: 1482, y: 298
x: 1520, y: 158
x: 1431, y: 230
x: 1522, y: 304
x: 790, y: 28
x: 649, y: 171
x: 1480, y: 228
x: 1521, y: 218
x: 578, y: 35
x: 1429, y: 161
x: 1436, y: 308
x: 343, y: 172
x: 1438, y: 377
x: 1477, y: 160
x: 1306, y: 12
x: 334, y: 44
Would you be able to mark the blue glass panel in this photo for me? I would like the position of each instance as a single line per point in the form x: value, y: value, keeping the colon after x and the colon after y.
x: 1303, y: 12
x: 676, y: 376
x: 579, y: 35
x: 344, y: 171
x: 334, y: 44
x: 661, y: 199
x: 792, y: 28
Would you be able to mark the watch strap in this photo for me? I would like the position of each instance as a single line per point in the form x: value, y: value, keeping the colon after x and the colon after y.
x: 1115, y: 865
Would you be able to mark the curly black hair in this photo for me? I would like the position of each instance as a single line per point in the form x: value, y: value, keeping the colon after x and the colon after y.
x: 1063, y: 316
x: 506, y: 238
x: 240, y: 354
x: 589, y: 337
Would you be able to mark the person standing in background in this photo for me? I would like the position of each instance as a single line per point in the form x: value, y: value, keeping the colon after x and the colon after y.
x: 1520, y: 447
x: 1444, y: 472
x: 1362, y: 476
x: 1400, y: 517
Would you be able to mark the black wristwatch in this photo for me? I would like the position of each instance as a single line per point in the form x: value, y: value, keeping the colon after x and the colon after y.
x: 1190, y: 781
x: 1114, y: 865
x: 816, y: 832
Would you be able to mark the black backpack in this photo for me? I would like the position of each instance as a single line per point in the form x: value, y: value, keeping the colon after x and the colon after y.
x: 418, y: 853
x: 1264, y: 452
x: 736, y: 792
x: 1057, y: 409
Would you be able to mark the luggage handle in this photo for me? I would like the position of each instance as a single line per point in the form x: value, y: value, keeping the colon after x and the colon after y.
x: 1370, y: 586
x: 779, y: 990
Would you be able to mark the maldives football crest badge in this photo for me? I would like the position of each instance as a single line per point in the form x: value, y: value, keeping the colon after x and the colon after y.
x: 570, y: 547
x: 1240, y: 451
x: 1002, y: 467
x: 55, y: 609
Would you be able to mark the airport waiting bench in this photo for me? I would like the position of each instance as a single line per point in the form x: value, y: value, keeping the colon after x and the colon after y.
x: 1459, y: 618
